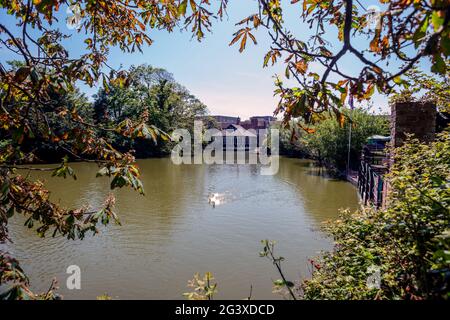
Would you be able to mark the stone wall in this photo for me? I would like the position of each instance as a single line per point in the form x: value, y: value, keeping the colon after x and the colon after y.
x: 417, y: 118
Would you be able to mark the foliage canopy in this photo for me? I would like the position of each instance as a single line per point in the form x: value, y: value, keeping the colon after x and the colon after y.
x: 31, y: 107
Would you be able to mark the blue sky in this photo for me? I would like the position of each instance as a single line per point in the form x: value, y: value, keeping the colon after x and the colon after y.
x: 228, y: 82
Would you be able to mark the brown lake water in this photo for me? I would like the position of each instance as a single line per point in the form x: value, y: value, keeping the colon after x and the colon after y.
x: 173, y: 232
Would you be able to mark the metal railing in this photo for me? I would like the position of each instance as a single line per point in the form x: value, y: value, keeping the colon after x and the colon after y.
x: 371, y: 173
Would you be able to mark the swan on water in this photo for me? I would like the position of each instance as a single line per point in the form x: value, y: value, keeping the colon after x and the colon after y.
x: 214, y: 199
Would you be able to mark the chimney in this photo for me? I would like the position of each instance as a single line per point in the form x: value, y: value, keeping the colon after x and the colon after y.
x: 417, y: 118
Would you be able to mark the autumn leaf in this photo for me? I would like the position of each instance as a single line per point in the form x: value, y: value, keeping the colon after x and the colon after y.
x: 301, y: 66
x: 243, y: 34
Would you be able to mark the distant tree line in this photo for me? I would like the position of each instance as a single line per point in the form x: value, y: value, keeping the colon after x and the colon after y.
x: 328, y: 139
x: 150, y: 94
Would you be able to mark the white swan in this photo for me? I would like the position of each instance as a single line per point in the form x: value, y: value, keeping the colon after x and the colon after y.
x: 214, y: 199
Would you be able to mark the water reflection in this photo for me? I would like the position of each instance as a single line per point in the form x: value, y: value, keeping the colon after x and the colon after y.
x: 319, y: 193
x: 173, y: 231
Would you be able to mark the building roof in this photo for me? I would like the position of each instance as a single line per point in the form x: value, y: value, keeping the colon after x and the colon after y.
x: 379, y: 138
x: 231, y: 118
x: 235, y: 130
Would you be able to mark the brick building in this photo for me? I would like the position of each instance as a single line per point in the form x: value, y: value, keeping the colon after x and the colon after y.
x: 255, y: 123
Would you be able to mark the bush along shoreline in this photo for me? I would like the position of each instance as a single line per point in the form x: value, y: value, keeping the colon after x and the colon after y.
x: 406, y: 244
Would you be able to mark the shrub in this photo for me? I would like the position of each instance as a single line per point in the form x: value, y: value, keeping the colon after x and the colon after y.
x: 329, y: 142
x: 408, y: 241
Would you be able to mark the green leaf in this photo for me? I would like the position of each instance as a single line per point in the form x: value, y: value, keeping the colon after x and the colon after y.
x: 10, y: 212
x: 278, y: 282
x: 18, y: 135
x: 34, y: 76
x: 5, y: 188
x: 118, y: 182
x: 182, y: 7
x: 437, y: 20
x: 105, y: 84
x: 445, y: 44
x: 421, y: 31
x: 397, y: 80
x: 439, y: 65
